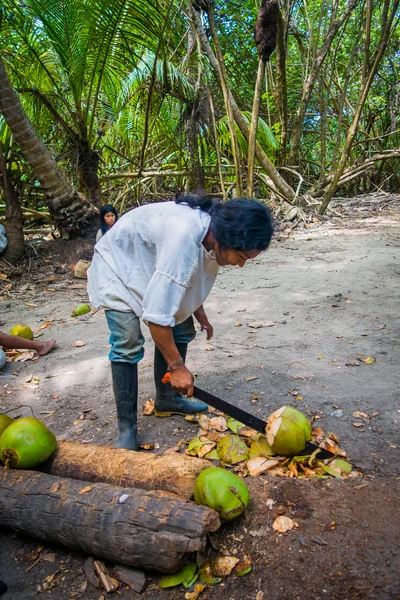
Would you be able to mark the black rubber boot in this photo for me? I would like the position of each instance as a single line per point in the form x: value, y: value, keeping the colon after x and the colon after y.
x: 168, y: 402
x: 125, y: 386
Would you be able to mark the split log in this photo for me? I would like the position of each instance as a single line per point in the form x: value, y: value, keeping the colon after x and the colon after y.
x: 150, y: 530
x: 174, y: 473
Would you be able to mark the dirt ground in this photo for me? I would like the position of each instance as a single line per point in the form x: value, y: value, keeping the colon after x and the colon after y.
x: 332, y: 290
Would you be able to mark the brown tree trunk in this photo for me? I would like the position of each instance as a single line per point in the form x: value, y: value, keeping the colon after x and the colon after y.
x: 174, y: 473
x: 70, y: 210
x: 196, y: 180
x: 15, y: 233
x: 151, y: 530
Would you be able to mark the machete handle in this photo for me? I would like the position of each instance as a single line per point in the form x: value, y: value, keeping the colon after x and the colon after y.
x: 166, y: 378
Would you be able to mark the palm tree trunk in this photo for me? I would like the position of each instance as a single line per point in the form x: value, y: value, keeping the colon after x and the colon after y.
x: 70, y: 209
x: 15, y: 233
x: 229, y: 112
x: 88, y: 164
x: 253, y: 128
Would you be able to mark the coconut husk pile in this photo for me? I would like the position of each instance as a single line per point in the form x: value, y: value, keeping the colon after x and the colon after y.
x: 247, y: 452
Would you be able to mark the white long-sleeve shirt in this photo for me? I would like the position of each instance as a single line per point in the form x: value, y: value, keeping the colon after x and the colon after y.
x: 153, y: 262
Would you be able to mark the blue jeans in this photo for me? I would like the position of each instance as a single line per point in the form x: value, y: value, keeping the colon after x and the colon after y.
x: 126, y: 337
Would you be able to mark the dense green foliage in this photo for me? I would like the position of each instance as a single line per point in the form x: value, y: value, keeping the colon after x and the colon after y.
x: 122, y: 87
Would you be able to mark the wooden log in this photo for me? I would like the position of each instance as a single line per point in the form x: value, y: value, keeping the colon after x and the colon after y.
x: 150, y: 530
x: 174, y: 473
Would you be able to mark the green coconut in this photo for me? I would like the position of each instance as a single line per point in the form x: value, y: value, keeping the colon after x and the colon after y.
x: 23, y: 331
x: 80, y: 309
x: 260, y: 447
x: 288, y: 431
x: 5, y: 421
x: 231, y: 450
x: 25, y: 443
x: 223, y: 491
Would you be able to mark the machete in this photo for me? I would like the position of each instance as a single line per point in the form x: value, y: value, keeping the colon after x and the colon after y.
x: 246, y: 418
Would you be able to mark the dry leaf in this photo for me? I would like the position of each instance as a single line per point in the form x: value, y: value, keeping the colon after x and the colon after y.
x: 218, y: 424
x: 55, y: 487
x: 86, y: 489
x: 45, y: 324
x: 146, y: 446
x: 49, y: 557
x: 191, y: 418
x: 216, y: 436
x: 148, y: 408
x: 259, y: 465
x: 238, y: 324
x: 251, y: 378
x: 23, y: 356
x: 204, y: 422
x: 283, y: 524
x: 320, y: 356
x: 368, y: 360
x: 360, y: 415
x: 259, y: 324
x: 210, y: 348
x: 358, y: 424
x: 79, y: 344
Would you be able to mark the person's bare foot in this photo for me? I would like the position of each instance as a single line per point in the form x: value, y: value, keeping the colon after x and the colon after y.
x: 45, y: 347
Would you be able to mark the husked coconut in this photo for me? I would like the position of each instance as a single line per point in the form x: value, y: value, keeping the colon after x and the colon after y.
x: 288, y: 431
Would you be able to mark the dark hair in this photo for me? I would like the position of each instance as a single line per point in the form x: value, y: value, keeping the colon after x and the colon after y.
x: 241, y: 224
x: 106, y: 208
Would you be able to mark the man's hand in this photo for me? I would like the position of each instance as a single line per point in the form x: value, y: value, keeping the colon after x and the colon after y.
x: 205, y: 324
x: 182, y: 380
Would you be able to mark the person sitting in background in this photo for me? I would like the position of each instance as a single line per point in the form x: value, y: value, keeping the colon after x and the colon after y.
x: 108, y: 216
x: 14, y: 342
x: 3, y: 239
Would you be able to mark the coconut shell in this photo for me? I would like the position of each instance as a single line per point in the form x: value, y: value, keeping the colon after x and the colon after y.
x: 232, y: 449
